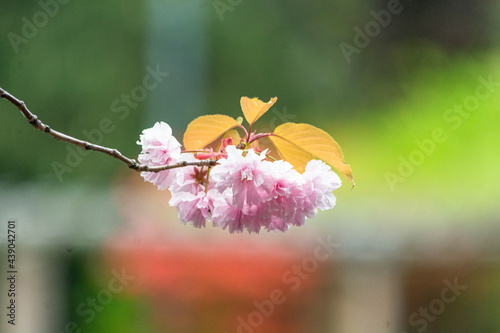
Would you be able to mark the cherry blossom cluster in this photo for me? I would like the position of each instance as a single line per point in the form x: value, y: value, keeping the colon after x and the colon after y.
x: 245, y: 190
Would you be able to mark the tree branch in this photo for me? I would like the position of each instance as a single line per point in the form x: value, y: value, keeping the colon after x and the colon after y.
x: 131, y: 163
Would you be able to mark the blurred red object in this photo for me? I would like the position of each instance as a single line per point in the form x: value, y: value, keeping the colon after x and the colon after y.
x: 208, y: 280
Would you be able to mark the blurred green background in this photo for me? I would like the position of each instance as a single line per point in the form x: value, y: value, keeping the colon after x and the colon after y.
x: 383, y: 103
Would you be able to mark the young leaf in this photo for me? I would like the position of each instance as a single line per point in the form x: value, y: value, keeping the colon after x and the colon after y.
x: 299, y: 143
x: 254, y: 108
x: 206, y: 129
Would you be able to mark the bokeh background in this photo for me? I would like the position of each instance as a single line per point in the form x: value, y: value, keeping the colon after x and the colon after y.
x: 409, y: 89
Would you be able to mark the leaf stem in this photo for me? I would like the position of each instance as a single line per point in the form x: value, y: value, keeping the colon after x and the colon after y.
x: 259, y: 136
x: 247, y: 133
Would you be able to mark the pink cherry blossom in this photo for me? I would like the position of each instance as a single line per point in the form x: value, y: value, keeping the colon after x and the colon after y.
x: 285, y: 197
x: 197, y: 209
x: 284, y: 178
x: 245, y: 175
x: 320, y: 182
x: 286, y: 192
x: 228, y: 216
x: 245, y: 191
x: 300, y: 196
x: 159, y: 147
x: 192, y: 208
x: 191, y: 179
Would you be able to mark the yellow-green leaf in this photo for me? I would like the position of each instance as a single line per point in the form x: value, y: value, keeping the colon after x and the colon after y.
x: 205, y: 129
x: 254, y: 108
x: 234, y: 135
x: 299, y: 143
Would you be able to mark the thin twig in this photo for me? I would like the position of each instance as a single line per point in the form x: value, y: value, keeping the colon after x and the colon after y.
x: 131, y: 163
